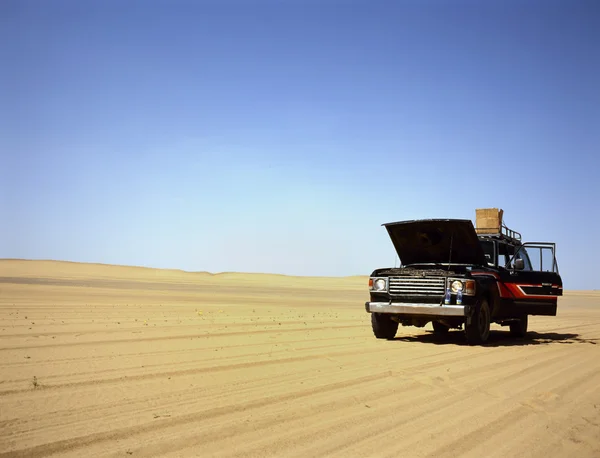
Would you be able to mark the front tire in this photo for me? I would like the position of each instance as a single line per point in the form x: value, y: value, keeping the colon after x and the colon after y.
x: 478, y: 331
x: 519, y: 328
x: 383, y: 326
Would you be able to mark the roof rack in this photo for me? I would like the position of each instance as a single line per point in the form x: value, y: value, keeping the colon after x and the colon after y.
x: 504, y: 233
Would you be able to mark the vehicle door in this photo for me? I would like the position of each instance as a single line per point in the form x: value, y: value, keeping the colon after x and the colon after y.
x: 533, y: 279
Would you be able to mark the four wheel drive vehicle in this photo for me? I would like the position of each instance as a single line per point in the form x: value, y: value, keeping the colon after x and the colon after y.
x: 453, y: 277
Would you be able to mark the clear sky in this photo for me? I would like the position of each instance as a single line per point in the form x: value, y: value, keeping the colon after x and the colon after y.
x: 276, y: 136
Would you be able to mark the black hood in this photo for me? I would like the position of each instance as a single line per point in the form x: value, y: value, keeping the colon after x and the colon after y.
x: 436, y: 241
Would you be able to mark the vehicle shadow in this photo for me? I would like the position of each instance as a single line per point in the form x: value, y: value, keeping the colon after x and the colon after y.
x: 499, y: 338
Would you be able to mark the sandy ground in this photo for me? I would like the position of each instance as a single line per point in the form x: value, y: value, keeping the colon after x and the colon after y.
x: 120, y: 361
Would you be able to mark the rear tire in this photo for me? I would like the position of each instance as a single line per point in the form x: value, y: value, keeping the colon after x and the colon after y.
x: 439, y: 328
x: 383, y: 326
x: 519, y: 328
x: 478, y: 331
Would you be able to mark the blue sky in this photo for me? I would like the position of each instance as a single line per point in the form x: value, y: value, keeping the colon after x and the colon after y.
x: 277, y: 136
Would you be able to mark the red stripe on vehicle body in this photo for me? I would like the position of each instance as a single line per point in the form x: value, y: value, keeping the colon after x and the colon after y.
x: 503, y: 291
x: 518, y: 292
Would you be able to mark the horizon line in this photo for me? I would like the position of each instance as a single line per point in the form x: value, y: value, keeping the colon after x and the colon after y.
x: 180, y: 270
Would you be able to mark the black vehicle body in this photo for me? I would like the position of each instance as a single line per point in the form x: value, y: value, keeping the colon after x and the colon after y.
x: 495, y: 274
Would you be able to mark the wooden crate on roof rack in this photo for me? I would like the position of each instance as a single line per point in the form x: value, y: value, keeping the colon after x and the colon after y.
x: 488, y: 220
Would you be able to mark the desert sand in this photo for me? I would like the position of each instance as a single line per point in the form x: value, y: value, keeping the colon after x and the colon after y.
x: 103, y: 360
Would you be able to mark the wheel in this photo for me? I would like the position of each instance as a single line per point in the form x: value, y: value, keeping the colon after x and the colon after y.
x: 519, y: 328
x: 383, y: 326
x: 479, y: 330
x: 439, y: 328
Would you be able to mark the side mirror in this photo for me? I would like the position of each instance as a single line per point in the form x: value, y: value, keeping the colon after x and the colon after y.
x: 519, y: 264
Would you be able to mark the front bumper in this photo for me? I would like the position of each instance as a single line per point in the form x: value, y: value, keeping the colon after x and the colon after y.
x: 404, y: 308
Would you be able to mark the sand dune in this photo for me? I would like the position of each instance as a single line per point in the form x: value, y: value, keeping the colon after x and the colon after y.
x: 100, y: 360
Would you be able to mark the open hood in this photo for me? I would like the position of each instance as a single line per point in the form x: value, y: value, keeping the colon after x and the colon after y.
x: 436, y: 241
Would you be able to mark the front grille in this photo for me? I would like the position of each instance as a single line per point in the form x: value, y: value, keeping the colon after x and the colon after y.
x: 417, y: 286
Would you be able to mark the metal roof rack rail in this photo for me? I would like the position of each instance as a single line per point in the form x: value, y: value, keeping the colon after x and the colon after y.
x: 509, y: 233
x: 504, y: 233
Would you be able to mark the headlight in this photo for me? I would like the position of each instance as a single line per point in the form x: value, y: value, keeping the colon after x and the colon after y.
x: 379, y: 284
x: 466, y: 286
x: 456, y: 286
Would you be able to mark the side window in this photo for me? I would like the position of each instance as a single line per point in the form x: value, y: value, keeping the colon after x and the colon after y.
x: 502, y: 260
x: 542, y: 259
x: 489, y: 249
x: 505, y: 253
x: 538, y: 258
